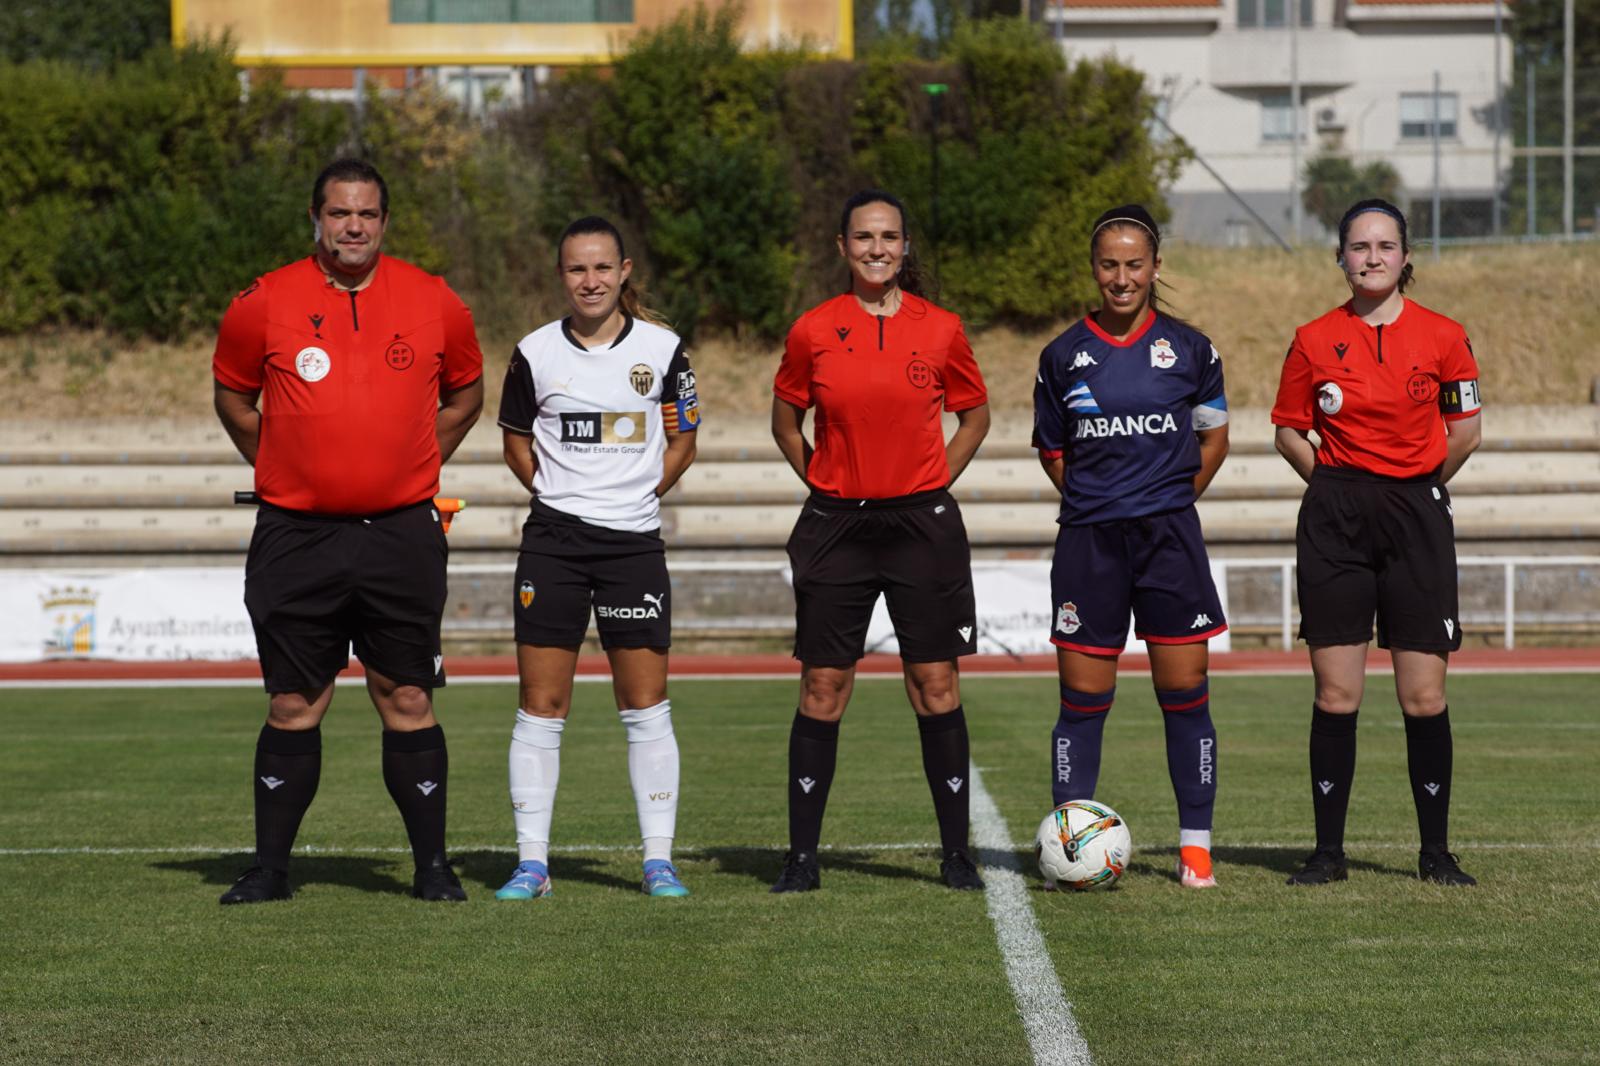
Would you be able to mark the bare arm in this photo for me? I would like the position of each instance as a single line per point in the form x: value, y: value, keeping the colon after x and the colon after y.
x: 1462, y: 437
x: 458, y: 410
x: 972, y: 425
x: 1055, y: 468
x: 518, y: 450
x: 240, y: 418
x: 788, y: 424
x: 1213, y: 449
x: 1295, y: 446
x: 680, y: 453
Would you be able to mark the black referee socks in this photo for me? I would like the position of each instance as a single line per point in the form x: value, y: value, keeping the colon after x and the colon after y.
x: 1430, y: 753
x: 813, y: 752
x: 1333, y: 769
x: 288, y: 767
x: 415, y: 766
x: 945, y: 758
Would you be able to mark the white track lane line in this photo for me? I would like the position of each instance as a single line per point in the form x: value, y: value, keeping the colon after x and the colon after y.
x: 1047, y: 1017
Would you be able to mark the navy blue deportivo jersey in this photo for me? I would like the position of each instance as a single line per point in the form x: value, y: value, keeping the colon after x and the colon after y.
x: 1123, y: 415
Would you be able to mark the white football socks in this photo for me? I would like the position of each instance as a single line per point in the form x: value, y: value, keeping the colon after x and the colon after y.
x: 1194, y: 838
x: 535, y: 770
x: 653, y: 769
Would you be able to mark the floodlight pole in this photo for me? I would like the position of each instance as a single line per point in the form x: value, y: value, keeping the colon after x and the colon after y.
x: 936, y: 92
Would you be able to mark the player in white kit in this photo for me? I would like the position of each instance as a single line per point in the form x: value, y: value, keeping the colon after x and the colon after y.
x: 598, y: 414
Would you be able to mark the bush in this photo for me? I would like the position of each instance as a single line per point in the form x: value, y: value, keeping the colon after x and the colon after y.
x: 1333, y: 183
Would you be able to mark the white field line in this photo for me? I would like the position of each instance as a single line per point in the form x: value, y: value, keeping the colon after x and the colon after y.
x: 1047, y: 1017
x: 702, y: 852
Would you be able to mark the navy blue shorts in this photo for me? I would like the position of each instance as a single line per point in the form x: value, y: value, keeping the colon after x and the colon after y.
x: 1154, y: 568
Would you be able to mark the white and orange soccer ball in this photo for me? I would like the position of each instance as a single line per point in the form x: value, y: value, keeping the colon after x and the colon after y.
x: 1083, y: 845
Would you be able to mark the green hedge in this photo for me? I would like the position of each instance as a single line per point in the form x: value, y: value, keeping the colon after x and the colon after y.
x: 139, y: 196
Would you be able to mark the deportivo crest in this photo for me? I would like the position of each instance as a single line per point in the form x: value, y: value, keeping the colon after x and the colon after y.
x: 642, y: 378
x: 1330, y: 397
x: 1067, y: 620
x: 312, y: 364
x: 1162, y: 357
x: 525, y: 594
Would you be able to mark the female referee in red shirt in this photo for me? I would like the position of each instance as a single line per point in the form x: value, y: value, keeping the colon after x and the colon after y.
x: 1391, y: 389
x: 1131, y: 423
x: 879, y: 364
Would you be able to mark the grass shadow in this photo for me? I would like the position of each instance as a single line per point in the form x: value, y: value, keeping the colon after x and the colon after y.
x: 1287, y: 860
x: 362, y: 872
x: 764, y: 865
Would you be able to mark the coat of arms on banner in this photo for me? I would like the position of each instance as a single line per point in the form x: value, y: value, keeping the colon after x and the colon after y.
x: 69, y: 622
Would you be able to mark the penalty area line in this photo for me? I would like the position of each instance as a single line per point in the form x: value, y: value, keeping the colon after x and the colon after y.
x: 1047, y: 1017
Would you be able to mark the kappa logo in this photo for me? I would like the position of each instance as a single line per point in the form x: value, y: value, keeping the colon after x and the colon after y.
x: 1200, y: 620
x: 427, y: 787
x: 806, y: 784
x: 842, y: 331
x: 965, y: 631
x: 1083, y: 359
x: 955, y: 784
x: 271, y: 782
x: 1339, y: 350
x: 1216, y: 356
x: 1162, y: 357
x: 1067, y: 620
x: 1326, y: 786
x: 438, y: 663
x: 1433, y: 789
x: 525, y: 594
x: 312, y: 364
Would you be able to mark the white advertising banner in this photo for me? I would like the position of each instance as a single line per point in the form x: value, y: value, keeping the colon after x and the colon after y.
x: 1015, y: 613
x: 131, y: 615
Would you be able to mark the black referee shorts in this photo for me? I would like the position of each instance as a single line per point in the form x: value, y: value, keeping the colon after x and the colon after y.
x: 911, y: 549
x: 1367, y: 544
x: 315, y: 585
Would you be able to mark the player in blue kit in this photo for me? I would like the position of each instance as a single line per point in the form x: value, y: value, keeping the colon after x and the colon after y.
x: 1131, y: 424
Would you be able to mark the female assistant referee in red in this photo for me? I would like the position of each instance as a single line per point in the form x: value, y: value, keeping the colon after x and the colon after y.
x: 879, y: 364
x: 1391, y: 389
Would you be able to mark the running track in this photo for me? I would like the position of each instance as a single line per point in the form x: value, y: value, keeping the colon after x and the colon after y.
x: 489, y: 668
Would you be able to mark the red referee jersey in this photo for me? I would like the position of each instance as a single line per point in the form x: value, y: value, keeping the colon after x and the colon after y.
x: 879, y: 384
x: 349, y: 383
x: 1378, y: 396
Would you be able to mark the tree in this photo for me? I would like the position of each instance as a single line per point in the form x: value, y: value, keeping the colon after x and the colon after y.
x: 1331, y: 183
x: 95, y: 33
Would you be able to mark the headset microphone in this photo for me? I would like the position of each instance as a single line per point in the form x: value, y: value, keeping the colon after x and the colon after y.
x: 1363, y: 273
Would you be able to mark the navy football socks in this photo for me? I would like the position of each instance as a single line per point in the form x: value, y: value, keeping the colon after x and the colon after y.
x: 1075, y: 744
x: 1191, y: 753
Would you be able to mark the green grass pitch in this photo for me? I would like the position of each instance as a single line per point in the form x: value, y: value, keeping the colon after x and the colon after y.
x: 125, y: 812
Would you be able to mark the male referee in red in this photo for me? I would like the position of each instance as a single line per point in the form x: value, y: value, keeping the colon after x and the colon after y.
x: 346, y: 378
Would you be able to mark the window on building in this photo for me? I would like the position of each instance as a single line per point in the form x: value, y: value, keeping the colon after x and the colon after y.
x: 1274, y: 14
x: 1416, y: 115
x: 1277, y: 118
x: 510, y: 11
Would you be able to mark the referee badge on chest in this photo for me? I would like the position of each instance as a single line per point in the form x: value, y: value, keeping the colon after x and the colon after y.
x: 1162, y: 357
x: 1330, y: 397
x: 312, y: 364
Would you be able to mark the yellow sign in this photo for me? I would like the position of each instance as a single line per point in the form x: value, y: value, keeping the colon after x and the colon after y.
x: 424, y: 33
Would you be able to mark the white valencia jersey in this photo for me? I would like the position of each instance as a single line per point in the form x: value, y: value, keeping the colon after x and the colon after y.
x: 599, y: 418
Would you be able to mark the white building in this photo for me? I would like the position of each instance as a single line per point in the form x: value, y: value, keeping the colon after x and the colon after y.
x: 1222, y: 71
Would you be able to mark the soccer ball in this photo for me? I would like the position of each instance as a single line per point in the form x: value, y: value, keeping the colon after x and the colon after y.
x: 1083, y: 845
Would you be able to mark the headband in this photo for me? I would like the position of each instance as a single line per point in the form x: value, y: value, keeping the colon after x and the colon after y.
x: 1124, y: 218
x: 1354, y: 213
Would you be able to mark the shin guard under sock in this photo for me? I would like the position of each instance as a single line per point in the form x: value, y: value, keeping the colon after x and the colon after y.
x: 415, y: 766
x: 1075, y: 744
x: 945, y: 757
x: 813, y: 752
x: 1429, y: 757
x: 1333, y: 770
x: 288, y: 767
x: 1191, y: 753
